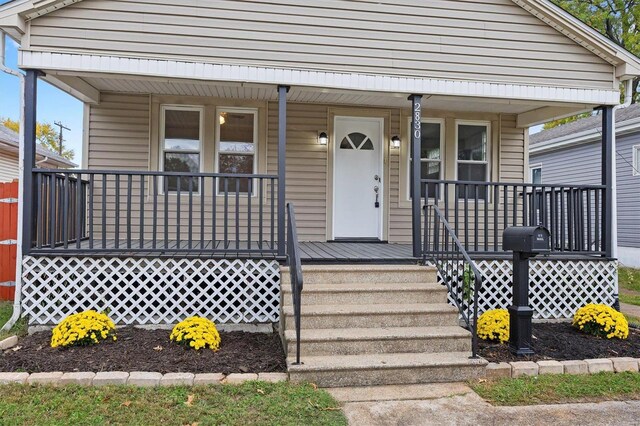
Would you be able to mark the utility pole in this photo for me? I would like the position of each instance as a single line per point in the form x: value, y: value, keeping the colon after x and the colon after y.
x: 60, y: 138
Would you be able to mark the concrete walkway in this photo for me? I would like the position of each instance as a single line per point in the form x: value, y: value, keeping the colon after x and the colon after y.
x: 457, y: 404
x: 632, y: 310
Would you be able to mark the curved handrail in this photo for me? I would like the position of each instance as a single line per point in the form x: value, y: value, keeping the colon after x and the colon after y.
x: 295, y: 272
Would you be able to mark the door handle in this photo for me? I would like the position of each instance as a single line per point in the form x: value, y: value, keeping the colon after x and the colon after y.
x: 377, y: 203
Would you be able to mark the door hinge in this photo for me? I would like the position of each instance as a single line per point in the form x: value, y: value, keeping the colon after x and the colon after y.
x: 9, y: 200
x: 8, y: 242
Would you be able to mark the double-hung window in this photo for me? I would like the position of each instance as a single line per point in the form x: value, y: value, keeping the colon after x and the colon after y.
x: 237, y: 148
x: 181, y: 145
x: 536, y: 174
x: 430, y: 156
x: 473, y: 155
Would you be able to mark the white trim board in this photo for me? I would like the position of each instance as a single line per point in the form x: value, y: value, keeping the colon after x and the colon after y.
x: 167, y: 68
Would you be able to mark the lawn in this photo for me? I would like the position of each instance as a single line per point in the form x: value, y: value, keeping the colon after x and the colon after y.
x: 251, y: 403
x: 629, y: 279
x: 20, y: 328
x: 556, y: 389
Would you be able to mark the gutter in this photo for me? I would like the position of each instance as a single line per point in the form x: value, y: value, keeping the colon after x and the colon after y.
x: 18, y: 289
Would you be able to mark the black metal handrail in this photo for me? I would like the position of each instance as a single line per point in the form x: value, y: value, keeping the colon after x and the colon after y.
x: 455, y: 269
x: 295, y: 272
x: 479, y: 211
x: 137, y: 212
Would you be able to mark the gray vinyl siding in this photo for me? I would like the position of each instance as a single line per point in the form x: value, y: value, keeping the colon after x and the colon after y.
x: 8, y: 167
x: 582, y: 165
x: 490, y: 40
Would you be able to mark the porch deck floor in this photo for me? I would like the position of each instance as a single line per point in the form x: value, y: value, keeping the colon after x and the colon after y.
x: 310, y: 252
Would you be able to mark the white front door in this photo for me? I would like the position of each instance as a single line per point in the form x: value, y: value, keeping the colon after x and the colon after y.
x: 357, y: 178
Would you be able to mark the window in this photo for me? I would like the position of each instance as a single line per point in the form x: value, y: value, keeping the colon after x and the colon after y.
x: 536, y: 173
x: 430, y: 156
x: 237, y: 147
x: 473, y: 155
x: 181, y: 146
x: 636, y: 160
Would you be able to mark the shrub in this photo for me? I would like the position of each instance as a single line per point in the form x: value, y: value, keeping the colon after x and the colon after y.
x: 602, y: 321
x: 494, y: 325
x: 196, y: 333
x: 85, y: 328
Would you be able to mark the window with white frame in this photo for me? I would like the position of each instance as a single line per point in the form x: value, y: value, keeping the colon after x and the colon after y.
x: 636, y: 160
x: 237, y: 147
x: 535, y: 172
x: 430, y: 156
x: 473, y: 154
x: 181, y: 145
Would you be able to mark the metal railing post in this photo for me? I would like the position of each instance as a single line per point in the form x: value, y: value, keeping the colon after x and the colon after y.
x: 416, y: 141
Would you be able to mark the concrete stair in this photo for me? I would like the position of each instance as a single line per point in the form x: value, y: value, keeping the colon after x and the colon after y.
x: 366, y: 325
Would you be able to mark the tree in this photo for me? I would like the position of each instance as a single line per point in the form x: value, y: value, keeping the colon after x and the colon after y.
x: 561, y: 121
x: 46, y: 135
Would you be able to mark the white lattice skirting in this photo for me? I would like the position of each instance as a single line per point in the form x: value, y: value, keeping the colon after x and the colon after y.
x: 557, y: 288
x: 151, y: 291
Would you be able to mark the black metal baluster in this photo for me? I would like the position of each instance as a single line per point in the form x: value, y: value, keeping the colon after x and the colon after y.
x: 154, y: 227
x: 117, y: 212
x: 178, y: 212
x: 225, y: 224
x: 496, y: 215
x: 202, y: 207
x: 260, y: 212
x: 129, y: 202
x: 91, y: 195
x: 79, y: 211
x: 165, y: 190
x: 237, y: 213
x: 249, y: 195
x: 104, y: 211
x: 190, y: 224
x: 142, y: 178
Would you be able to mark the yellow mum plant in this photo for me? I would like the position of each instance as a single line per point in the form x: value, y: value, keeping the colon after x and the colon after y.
x: 85, y: 328
x: 494, y: 325
x: 196, y: 333
x: 601, y: 321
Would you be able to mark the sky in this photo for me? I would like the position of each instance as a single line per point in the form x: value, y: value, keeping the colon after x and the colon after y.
x: 53, y: 104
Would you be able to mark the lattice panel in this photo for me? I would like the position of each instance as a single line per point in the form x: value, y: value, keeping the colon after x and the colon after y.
x: 557, y: 288
x: 151, y: 291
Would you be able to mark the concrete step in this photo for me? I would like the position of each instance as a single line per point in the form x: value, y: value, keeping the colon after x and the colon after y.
x: 386, y: 369
x: 354, y: 341
x: 368, y: 293
x: 372, y: 316
x: 340, y: 274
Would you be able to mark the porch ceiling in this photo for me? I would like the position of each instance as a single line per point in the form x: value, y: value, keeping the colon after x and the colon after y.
x: 531, y: 111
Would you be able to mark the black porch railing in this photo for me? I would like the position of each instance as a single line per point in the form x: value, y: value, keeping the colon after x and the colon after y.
x: 118, y: 212
x: 295, y: 271
x: 455, y: 269
x: 478, y: 212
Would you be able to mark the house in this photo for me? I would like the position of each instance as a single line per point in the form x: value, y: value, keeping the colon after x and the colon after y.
x: 9, y: 143
x: 224, y: 139
x: 571, y: 152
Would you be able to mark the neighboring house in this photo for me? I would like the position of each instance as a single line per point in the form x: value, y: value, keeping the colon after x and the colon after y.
x: 9, y: 143
x: 571, y: 153
x: 205, y: 119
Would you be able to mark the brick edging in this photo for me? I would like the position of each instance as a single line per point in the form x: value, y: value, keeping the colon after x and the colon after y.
x: 499, y: 370
x: 137, y: 378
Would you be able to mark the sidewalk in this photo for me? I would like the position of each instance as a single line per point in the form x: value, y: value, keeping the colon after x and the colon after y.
x: 457, y: 404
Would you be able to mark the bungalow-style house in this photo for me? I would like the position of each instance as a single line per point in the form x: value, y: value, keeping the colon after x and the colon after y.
x: 572, y: 151
x: 372, y: 149
x: 9, y: 166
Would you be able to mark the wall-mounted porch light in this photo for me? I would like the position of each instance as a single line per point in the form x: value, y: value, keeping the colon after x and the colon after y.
x: 395, y: 142
x: 323, y: 139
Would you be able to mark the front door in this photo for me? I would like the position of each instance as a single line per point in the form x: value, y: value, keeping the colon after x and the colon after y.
x: 357, y: 178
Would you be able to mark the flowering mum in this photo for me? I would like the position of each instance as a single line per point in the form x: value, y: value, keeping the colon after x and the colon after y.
x: 601, y: 320
x: 85, y: 328
x: 494, y: 325
x: 196, y: 333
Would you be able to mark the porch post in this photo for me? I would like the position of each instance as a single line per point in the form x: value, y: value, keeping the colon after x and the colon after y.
x: 415, y: 173
x: 29, y: 160
x: 608, y: 158
x: 282, y: 166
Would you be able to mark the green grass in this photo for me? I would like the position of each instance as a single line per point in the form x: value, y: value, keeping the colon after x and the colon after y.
x: 248, y: 404
x: 19, y: 328
x: 629, y: 279
x: 556, y: 389
x: 630, y: 299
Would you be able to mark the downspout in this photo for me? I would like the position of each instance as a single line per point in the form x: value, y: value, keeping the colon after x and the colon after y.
x: 628, y: 96
x: 18, y: 289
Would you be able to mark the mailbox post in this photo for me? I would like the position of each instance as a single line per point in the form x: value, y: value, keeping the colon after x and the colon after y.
x: 525, y: 242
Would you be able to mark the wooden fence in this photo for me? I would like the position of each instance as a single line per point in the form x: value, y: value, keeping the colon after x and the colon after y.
x: 8, y: 238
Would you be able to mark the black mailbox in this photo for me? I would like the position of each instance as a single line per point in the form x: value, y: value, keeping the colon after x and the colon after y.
x: 525, y: 242
x: 527, y: 239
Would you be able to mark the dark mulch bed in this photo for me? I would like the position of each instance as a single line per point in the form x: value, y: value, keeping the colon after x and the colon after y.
x: 149, y: 350
x: 560, y: 341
